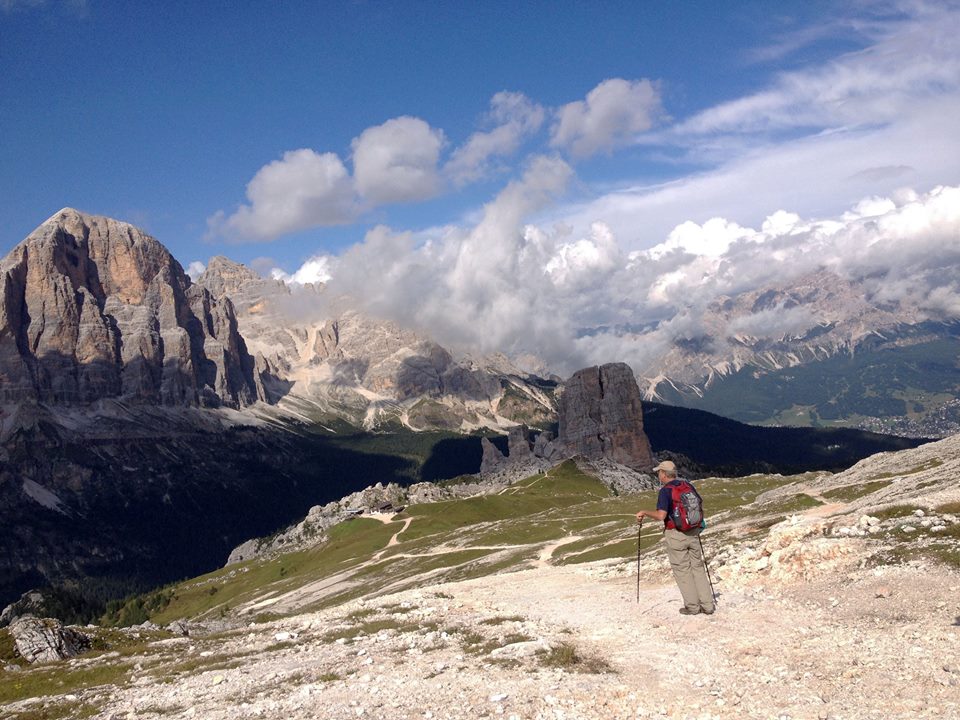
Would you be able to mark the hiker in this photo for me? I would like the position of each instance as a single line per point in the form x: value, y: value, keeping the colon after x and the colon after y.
x: 683, y: 548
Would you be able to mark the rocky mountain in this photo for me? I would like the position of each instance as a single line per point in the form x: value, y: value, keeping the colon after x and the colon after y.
x: 821, y: 350
x: 150, y: 423
x: 92, y: 308
x: 600, y: 418
x: 372, y: 373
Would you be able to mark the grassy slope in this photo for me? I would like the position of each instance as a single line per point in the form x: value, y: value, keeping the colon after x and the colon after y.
x: 471, y: 537
x: 460, y: 539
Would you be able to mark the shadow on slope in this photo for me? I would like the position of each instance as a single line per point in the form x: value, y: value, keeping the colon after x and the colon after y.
x: 727, y: 447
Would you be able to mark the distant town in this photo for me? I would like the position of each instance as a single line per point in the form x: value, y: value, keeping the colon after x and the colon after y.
x: 941, y: 423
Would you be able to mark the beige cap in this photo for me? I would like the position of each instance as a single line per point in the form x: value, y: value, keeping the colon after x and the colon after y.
x: 667, y: 466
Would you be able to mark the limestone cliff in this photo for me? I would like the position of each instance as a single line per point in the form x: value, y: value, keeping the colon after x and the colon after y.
x: 93, y: 308
x: 601, y: 416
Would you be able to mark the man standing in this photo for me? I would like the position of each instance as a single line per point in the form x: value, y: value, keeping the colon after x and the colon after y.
x: 683, y: 548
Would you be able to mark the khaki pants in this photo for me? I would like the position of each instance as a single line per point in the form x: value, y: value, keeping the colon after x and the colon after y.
x: 686, y: 559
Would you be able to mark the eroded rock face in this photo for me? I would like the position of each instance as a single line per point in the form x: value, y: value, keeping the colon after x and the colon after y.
x: 519, y: 444
x: 367, y: 370
x: 46, y: 639
x: 601, y: 416
x: 492, y: 459
x: 93, y: 308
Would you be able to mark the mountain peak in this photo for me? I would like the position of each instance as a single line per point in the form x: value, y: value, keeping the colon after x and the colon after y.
x: 93, y: 307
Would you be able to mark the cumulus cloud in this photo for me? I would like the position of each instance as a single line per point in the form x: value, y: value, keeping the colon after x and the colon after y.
x: 611, y: 115
x: 818, y: 138
x: 572, y: 299
x: 315, y: 270
x: 303, y: 189
x: 397, y: 161
x: 579, y: 263
x: 711, y: 239
x: 196, y: 269
x: 515, y: 117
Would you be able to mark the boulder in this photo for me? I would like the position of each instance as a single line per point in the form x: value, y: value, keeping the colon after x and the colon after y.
x: 46, y: 639
x: 31, y: 602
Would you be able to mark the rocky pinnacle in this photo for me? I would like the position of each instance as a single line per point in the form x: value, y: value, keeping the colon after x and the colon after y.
x: 601, y: 416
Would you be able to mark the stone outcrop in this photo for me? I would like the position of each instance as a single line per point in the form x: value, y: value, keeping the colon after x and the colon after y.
x: 492, y: 458
x: 519, y: 444
x: 46, y: 639
x: 601, y: 416
x: 31, y: 602
x: 92, y: 308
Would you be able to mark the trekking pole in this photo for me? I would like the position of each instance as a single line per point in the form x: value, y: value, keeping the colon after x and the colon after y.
x: 703, y: 556
x: 639, y: 530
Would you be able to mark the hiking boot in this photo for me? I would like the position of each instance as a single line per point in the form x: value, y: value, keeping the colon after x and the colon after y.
x: 711, y: 611
x: 688, y: 611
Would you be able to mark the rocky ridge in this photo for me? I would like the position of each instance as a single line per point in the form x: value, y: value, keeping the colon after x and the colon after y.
x: 843, y: 317
x: 322, y: 360
x: 816, y: 319
x: 386, y: 500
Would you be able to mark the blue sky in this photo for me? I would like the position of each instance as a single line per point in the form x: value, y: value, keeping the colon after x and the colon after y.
x: 450, y: 166
x: 161, y: 113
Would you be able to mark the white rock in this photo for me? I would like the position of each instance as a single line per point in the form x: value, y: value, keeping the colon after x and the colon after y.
x: 908, y: 528
x: 284, y: 636
x: 919, y: 513
x: 938, y: 528
x: 499, y: 697
x: 521, y: 649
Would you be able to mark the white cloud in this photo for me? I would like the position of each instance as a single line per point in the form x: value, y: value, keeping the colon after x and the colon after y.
x: 817, y: 139
x: 303, y: 189
x: 397, y: 161
x: 819, y: 175
x: 581, y: 262
x: 775, y: 322
x: 506, y: 285
x: 906, y: 60
x: 711, y: 239
x: 315, y: 270
x: 612, y: 114
x: 516, y: 117
x: 195, y: 269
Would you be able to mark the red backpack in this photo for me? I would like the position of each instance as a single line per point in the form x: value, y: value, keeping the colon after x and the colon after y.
x: 686, y: 507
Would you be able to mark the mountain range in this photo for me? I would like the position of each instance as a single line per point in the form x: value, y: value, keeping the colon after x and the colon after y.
x: 858, y: 361
x: 150, y: 423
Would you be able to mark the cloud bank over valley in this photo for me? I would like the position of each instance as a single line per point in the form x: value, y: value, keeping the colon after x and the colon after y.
x: 508, y: 285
